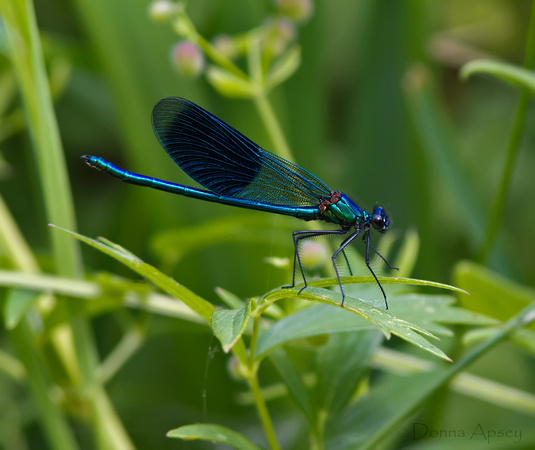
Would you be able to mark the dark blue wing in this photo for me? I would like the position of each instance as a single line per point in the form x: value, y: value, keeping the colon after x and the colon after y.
x: 226, y: 162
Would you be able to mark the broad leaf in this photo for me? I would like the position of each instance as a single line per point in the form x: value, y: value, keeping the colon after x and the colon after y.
x: 315, y: 321
x: 491, y: 293
x: 364, y: 423
x: 229, y: 325
x: 341, y: 365
x: 293, y: 381
x: 17, y: 303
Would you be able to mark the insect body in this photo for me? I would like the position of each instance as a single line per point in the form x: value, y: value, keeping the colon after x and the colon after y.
x: 235, y: 171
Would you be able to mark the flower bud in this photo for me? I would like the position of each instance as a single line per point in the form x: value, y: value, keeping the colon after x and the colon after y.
x: 226, y: 45
x: 161, y: 10
x: 313, y: 254
x: 297, y: 10
x: 281, y: 31
x: 188, y: 58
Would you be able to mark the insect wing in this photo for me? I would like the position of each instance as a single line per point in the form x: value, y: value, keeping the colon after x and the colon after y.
x: 228, y: 163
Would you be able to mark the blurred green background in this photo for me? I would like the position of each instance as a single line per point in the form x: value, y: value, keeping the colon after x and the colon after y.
x: 353, y: 114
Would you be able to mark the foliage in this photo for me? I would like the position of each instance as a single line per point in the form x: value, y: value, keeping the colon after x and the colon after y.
x: 114, y: 352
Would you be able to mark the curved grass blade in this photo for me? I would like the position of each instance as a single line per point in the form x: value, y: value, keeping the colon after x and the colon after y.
x: 213, y: 433
x: 324, y: 282
x: 196, y: 303
x: 517, y: 76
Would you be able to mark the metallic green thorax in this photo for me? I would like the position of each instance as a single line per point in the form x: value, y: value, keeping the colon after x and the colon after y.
x: 342, y: 211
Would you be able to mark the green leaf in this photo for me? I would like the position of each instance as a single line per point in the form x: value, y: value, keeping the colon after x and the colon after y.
x: 17, y: 303
x: 230, y: 85
x: 525, y: 338
x: 44, y: 282
x: 235, y: 302
x: 196, y: 303
x: 429, y: 311
x: 324, y: 282
x: 491, y: 293
x: 229, y: 298
x: 408, y: 253
x: 376, y: 415
x: 214, y: 433
x: 341, y: 364
x: 229, y: 325
x: 108, y: 292
x: 423, y: 310
x: 175, y: 244
x: 315, y: 321
x: 284, y: 68
x: 293, y: 381
x: 517, y: 76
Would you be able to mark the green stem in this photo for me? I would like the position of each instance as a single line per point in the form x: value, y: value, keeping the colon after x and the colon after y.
x: 13, y: 243
x: 252, y: 378
x: 55, y: 424
x: 262, y: 410
x: 321, y: 419
x: 515, y: 139
x: 185, y: 28
x: 262, y: 103
x: 280, y: 145
x: 523, y: 318
x: 254, y: 338
x: 474, y: 386
x: 29, y: 68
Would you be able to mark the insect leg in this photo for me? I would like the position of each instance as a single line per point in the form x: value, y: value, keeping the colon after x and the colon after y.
x: 347, y: 262
x: 343, y: 245
x: 298, y: 236
x: 367, y: 259
x: 382, y: 257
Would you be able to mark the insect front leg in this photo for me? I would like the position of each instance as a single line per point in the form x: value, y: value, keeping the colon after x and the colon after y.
x: 382, y: 257
x: 343, y: 245
x: 367, y: 259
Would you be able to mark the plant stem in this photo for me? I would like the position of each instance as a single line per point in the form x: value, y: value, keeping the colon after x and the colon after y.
x: 262, y: 409
x: 263, y: 105
x: 185, y: 27
x: 55, y: 424
x: 515, y: 139
x: 280, y: 145
x: 252, y: 378
x: 29, y: 69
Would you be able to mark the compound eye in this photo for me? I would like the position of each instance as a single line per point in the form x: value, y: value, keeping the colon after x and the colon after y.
x: 380, y: 220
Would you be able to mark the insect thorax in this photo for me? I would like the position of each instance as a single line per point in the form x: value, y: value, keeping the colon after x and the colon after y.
x: 341, y: 210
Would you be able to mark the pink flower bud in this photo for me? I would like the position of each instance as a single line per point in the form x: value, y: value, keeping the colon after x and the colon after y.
x: 313, y: 254
x: 188, y: 58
